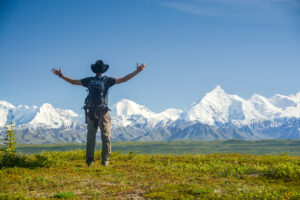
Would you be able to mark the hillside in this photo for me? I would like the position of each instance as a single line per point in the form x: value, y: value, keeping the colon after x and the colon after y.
x: 136, y: 176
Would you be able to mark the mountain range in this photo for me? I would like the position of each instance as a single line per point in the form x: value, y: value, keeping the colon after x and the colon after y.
x: 217, y: 115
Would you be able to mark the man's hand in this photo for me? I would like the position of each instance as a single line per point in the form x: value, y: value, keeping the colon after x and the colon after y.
x: 57, y: 72
x: 69, y: 80
x: 141, y: 67
x: 131, y: 75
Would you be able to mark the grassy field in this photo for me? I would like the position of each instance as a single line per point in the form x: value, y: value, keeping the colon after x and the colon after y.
x: 258, y: 147
x: 56, y: 175
x: 232, y: 169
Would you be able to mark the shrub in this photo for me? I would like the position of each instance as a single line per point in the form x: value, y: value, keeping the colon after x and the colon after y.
x: 27, y: 161
x: 285, y: 171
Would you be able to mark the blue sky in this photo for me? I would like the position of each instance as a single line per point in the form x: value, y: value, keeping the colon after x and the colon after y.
x: 189, y: 46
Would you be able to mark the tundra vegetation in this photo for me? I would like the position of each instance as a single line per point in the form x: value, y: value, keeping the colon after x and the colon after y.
x: 131, y: 175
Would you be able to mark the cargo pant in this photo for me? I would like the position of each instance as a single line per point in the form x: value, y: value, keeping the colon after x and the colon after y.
x: 105, y: 127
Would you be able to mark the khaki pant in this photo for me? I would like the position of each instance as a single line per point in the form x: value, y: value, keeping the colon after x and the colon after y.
x: 105, y: 126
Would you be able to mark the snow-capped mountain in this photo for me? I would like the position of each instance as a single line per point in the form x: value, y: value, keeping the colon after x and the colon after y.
x: 45, y: 116
x: 126, y: 112
x: 216, y: 116
x: 126, y: 107
x: 217, y: 107
x: 5, y: 108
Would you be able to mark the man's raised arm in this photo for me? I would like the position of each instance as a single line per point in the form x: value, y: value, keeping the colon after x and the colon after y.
x: 131, y: 75
x: 69, y: 80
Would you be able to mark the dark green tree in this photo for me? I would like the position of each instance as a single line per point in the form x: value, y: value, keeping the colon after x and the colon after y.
x: 9, y: 139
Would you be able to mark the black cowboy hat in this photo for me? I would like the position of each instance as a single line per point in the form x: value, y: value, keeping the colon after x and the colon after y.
x: 99, y: 67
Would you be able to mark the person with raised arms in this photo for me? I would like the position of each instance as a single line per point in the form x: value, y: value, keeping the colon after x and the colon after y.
x: 96, y: 106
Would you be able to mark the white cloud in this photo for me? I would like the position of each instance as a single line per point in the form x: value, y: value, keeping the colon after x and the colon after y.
x: 191, y: 8
x: 272, y: 11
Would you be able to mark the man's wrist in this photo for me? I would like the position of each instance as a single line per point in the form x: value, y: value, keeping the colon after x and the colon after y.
x: 60, y: 75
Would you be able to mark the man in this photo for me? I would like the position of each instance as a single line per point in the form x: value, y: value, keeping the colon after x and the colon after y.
x: 96, y: 106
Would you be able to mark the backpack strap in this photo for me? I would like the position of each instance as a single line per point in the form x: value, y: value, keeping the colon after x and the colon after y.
x: 92, y: 111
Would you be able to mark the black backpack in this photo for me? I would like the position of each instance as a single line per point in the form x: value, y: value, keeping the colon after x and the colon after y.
x: 95, y: 103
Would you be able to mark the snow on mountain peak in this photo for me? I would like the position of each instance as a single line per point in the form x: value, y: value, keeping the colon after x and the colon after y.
x: 5, y: 104
x: 5, y: 109
x: 218, y: 88
x: 298, y: 96
x: 282, y: 101
x: 46, y: 115
x: 125, y: 107
x: 217, y: 91
x: 171, y: 113
x: 47, y: 106
x: 212, y: 107
x: 219, y: 107
x: 264, y: 107
x: 126, y: 112
x: 52, y: 117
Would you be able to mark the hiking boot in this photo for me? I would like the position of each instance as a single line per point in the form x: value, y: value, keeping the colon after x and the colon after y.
x: 105, y: 163
x: 90, y: 161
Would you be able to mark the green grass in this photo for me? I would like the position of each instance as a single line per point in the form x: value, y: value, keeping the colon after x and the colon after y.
x: 151, y: 176
x: 64, y: 195
x: 258, y: 147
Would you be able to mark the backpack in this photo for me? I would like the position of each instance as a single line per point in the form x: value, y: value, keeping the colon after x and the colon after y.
x: 95, y: 102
